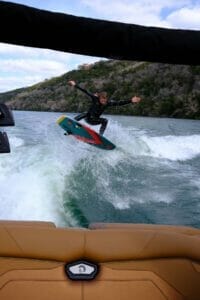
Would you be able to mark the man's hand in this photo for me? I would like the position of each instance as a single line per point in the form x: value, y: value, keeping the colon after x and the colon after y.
x: 72, y: 82
x: 135, y: 99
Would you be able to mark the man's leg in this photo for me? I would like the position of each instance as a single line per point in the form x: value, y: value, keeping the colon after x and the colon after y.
x: 80, y: 116
x: 98, y: 121
x: 104, y: 123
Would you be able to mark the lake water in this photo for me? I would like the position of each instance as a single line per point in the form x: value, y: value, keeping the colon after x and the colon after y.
x: 153, y: 176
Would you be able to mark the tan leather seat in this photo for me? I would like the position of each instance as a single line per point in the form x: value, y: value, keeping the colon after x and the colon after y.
x: 136, y: 261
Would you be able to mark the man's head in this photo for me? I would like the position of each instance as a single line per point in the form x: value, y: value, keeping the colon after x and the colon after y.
x: 103, y: 97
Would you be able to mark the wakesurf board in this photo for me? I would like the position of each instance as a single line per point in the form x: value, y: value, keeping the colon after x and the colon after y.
x: 84, y: 133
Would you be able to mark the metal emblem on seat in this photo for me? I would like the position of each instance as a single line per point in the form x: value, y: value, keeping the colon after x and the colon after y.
x: 81, y: 270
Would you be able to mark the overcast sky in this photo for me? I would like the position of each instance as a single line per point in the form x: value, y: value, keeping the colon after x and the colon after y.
x: 24, y: 66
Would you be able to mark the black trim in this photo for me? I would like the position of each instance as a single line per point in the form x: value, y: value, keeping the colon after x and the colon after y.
x: 6, y: 116
x: 4, y: 143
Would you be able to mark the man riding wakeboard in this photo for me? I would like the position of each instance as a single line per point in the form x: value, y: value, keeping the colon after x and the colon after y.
x: 99, y: 103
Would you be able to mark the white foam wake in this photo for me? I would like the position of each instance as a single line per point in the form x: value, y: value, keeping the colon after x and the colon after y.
x: 136, y: 143
x: 173, y: 147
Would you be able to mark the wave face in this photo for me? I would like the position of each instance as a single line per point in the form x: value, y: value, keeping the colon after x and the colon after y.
x: 151, y: 177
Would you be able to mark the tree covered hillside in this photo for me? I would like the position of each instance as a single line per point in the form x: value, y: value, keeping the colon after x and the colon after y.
x: 166, y: 90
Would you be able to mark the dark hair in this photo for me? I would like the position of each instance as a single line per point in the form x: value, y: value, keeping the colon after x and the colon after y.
x: 103, y: 94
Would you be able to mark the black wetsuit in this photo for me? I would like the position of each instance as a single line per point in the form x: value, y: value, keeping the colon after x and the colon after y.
x: 96, y: 109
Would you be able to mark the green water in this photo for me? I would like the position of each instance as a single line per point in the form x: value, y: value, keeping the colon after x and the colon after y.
x: 151, y: 177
